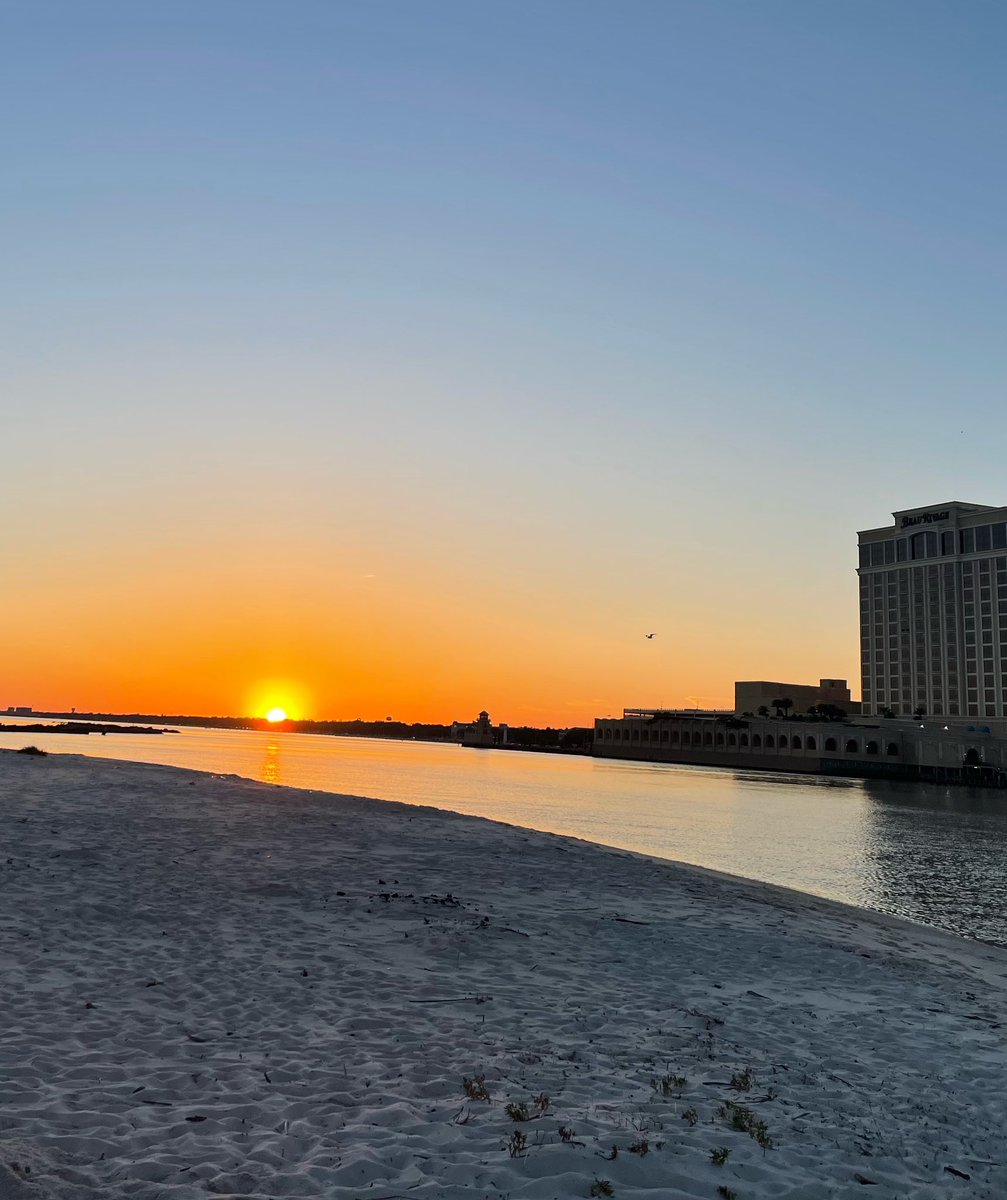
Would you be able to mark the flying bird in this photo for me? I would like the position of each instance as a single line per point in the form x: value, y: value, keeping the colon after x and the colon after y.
x: 648, y: 635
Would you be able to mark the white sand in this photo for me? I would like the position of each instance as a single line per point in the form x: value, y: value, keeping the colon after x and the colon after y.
x: 213, y: 987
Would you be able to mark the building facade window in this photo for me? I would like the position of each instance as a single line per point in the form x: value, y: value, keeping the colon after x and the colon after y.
x: 934, y: 612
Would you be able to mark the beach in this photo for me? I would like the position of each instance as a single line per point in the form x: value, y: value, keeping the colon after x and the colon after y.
x: 213, y: 987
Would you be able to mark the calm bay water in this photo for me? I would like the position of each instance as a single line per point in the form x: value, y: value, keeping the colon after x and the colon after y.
x: 932, y: 854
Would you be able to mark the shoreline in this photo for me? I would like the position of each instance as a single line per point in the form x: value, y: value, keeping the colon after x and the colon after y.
x: 401, y: 731
x: 784, y: 891
x: 247, y: 990
x: 954, y: 916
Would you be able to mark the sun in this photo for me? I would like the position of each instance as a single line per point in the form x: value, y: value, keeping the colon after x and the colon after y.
x: 279, y: 701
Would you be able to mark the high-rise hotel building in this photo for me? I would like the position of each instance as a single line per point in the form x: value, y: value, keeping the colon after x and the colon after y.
x: 933, y: 612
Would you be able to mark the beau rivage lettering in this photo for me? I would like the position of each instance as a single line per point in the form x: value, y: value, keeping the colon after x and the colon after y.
x: 924, y: 518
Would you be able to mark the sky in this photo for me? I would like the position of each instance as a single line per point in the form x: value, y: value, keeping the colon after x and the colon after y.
x: 413, y: 358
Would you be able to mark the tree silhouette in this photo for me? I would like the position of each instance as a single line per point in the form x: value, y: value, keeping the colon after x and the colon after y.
x: 827, y: 712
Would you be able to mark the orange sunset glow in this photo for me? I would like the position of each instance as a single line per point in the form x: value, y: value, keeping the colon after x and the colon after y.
x: 287, y: 609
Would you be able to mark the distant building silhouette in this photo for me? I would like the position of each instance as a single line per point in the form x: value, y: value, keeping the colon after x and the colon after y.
x: 480, y: 732
x: 751, y: 695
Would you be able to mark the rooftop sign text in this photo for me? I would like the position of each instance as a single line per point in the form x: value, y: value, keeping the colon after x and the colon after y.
x: 929, y: 518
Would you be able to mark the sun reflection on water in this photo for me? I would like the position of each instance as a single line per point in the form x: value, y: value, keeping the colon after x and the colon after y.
x: 271, y: 763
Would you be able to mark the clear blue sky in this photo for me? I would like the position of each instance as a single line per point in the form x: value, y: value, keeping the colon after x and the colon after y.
x: 604, y: 316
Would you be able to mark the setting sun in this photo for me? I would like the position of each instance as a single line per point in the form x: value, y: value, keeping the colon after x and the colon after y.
x: 276, y: 714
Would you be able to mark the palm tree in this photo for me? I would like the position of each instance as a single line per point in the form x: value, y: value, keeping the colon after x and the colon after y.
x: 763, y: 711
x: 786, y: 704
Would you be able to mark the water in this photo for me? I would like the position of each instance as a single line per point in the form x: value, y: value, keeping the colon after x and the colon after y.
x: 928, y: 853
